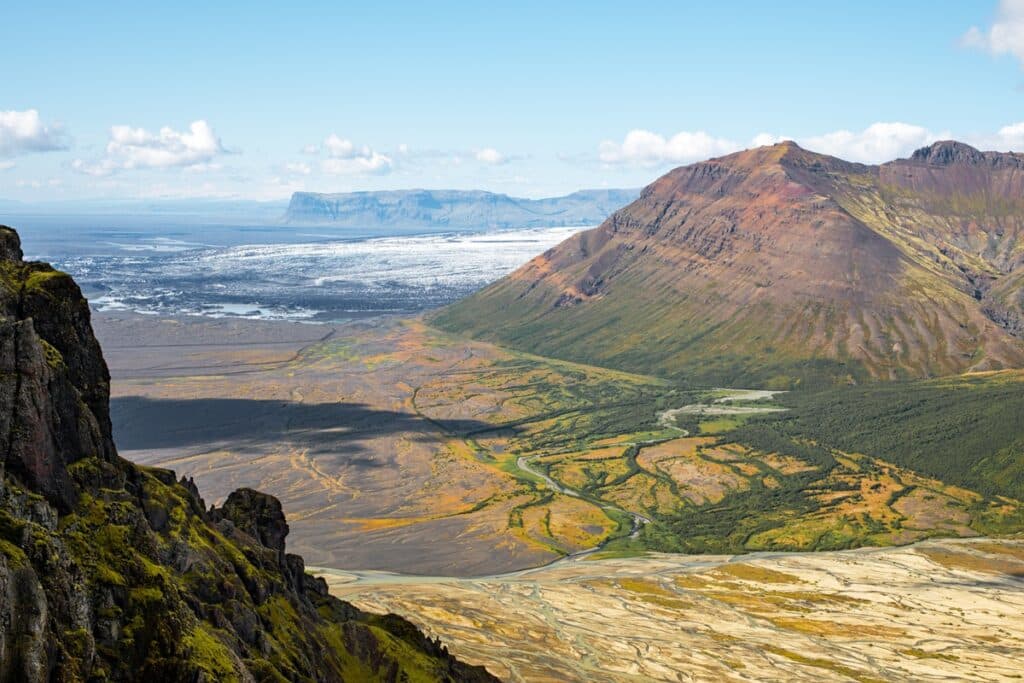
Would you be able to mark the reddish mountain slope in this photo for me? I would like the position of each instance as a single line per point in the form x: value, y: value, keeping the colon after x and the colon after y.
x: 777, y: 265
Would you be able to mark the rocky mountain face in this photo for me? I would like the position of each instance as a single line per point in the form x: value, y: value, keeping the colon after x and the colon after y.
x: 442, y: 209
x: 779, y: 266
x: 110, y: 571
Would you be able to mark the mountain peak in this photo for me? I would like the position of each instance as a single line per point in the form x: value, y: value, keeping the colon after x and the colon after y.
x: 766, y: 154
x: 787, y: 145
x: 781, y: 170
x: 946, y: 152
x: 787, y: 154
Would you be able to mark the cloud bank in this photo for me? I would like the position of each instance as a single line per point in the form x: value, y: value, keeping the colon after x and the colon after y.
x: 490, y: 156
x: 344, y: 157
x: 644, y: 148
x: 23, y: 132
x: 137, y: 148
x: 877, y: 143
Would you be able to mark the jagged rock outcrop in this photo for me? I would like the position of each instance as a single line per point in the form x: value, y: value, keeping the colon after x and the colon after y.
x: 951, y: 152
x: 256, y: 514
x: 110, y: 571
x: 777, y: 266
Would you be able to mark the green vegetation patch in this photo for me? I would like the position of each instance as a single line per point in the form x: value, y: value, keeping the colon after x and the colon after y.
x: 39, y: 279
x: 964, y: 431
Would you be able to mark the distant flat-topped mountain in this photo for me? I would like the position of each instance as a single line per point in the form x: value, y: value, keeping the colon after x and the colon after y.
x: 778, y: 265
x: 453, y: 209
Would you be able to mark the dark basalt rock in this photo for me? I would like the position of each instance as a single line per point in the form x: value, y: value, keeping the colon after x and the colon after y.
x: 951, y: 152
x: 257, y: 515
x: 10, y: 245
x: 111, y: 571
x: 947, y: 152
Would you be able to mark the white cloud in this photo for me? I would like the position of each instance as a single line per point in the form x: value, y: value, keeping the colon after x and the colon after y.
x: 340, y: 148
x: 877, y: 143
x: 347, y: 158
x: 1010, y: 138
x: 644, y: 148
x: 24, y: 131
x: 1004, y: 36
x: 137, y: 148
x: 491, y: 156
x: 361, y: 165
x: 764, y: 139
x: 6, y: 165
x: 297, y: 168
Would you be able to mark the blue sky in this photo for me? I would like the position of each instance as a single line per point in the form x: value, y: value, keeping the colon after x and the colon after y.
x: 109, y: 100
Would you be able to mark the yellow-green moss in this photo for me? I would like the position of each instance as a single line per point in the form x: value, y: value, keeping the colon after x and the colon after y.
x: 77, y: 642
x: 39, y: 279
x: 106, y: 574
x: 146, y: 594
x: 15, y: 555
x: 207, y: 652
x: 416, y: 666
x: 53, y: 357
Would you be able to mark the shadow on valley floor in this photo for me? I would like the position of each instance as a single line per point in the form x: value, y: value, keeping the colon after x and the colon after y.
x: 142, y: 423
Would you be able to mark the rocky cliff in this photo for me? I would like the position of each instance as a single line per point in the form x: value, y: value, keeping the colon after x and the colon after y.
x: 453, y: 209
x: 110, y: 571
x: 777, y: 266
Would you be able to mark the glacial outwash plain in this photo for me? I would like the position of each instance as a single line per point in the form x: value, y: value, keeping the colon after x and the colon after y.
x: 946, y: 610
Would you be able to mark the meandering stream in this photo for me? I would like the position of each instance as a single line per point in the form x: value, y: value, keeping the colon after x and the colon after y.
x: 667, y: 420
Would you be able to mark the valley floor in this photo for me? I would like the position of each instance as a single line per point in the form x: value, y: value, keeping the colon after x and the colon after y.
x: 396, y: 448
x: 935, y: 611
x: 388, y: 443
